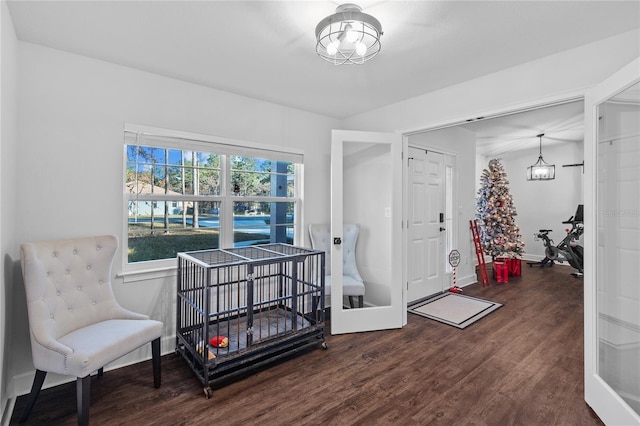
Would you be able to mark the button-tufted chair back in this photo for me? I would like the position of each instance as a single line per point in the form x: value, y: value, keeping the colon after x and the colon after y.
x: 352, y: 283
x: 70, y: 284
x: 320, y: 235
x: 321, y: 240
x: 350, y: 234
x: 76, y: 324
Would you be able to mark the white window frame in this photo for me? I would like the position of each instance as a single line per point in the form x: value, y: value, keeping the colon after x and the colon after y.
x: 227, y: 147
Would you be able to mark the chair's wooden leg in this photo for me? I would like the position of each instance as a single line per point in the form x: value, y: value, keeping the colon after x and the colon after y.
x: 155, y: 354
x: 38, y: 380
x: 352, y: 301
x: 83, y: 393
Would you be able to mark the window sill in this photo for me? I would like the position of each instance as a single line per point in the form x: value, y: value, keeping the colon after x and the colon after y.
x: 148, y: 273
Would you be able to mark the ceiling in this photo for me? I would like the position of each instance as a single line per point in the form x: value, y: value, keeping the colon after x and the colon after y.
x: 266, y: 49
x: 562, y: 123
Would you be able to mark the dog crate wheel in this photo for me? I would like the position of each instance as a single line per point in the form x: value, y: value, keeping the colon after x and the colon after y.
x: 208, y: 392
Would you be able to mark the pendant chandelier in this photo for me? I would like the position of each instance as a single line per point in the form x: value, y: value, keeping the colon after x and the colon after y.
x: 541, y: 170
x: 348, y: 36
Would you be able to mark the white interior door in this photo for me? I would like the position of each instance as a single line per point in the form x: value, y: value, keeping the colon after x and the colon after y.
x: 612, y: 255
x: 366, y: 189
x: 426, y: 224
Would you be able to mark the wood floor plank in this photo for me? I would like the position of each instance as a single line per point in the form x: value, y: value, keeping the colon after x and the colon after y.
x: 522, y: 364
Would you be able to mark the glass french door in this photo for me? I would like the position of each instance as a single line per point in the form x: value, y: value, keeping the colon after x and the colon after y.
x: 612, y: 255
x: 366, y: 189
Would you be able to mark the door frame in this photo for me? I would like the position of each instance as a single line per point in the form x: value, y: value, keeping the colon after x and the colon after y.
x: 607, y: 404
x: 485, y: 114
x: 372, y: 318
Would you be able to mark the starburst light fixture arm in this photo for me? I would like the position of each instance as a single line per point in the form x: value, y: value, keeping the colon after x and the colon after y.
x: 348, y: 36
x: 541, y: 170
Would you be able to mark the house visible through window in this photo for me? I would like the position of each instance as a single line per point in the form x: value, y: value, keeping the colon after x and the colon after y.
x: 200, y: 192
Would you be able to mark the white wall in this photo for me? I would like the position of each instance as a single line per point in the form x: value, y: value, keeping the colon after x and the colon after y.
x: 8, y: 147
x: 565, y: 73
x: 461, y: 143
x: 71, y: 114
x: 544, y: 204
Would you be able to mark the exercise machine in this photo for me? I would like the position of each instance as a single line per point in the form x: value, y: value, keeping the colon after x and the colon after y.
x: 568, y: 249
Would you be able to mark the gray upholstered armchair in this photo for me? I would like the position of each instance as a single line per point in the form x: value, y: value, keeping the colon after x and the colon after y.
x: 76, y: 324
x: 352, y: 283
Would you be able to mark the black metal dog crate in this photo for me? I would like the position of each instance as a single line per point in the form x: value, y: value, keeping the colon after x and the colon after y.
x: 240, y: 309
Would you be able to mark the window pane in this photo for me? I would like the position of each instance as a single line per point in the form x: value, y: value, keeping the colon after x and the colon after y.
x: 176, y: 180
x: 159, y: 178
x: 259, y: 177
x: 149, y: 155
x: 157, y: 246
x: 175, y: 157
x: 138, y: 178
x: 209, y: 182
x: 159, y: 230
x: 131, y: 173
x: 290, y: 187
x: 172, y: 171
x: 262, y: 223
x: 154, y: 215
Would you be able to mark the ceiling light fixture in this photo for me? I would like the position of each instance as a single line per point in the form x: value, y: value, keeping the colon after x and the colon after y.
x: 541, y: 170
x: 348, y: 36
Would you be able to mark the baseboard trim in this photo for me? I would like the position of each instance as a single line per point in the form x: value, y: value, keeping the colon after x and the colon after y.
x: 20, y: 384
x: 7, y: 411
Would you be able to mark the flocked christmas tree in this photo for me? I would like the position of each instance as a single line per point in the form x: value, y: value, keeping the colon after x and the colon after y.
x: 499, y: 235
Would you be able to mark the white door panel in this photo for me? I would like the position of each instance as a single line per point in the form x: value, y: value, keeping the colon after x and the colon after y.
x: 366, y: 189
x: 612, y: 249
x: 425, y: 229
x: 417, y: 254
x: 432, y: 260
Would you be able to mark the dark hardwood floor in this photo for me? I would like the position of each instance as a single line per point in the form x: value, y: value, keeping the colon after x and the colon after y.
x: 521, y: 365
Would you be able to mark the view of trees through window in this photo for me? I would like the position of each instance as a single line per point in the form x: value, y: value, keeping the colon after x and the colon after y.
x: 186, y: 200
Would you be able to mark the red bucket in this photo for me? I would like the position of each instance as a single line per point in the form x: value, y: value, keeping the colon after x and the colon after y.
x: 501, y: 270
x: 515, y: 267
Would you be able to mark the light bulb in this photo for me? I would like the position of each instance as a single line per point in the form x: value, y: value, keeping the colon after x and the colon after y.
x: 361, y: 49
x: 332, y: 48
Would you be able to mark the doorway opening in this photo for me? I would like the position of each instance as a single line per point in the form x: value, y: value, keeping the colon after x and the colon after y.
x: 511, y: 136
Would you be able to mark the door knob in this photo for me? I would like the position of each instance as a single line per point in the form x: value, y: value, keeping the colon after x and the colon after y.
x: 337, y: 240
x: 442, y: 229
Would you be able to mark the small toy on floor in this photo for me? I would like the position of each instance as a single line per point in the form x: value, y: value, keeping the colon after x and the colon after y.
x: 219, y: 341
x: 455, y: 289
x: 200, y: 348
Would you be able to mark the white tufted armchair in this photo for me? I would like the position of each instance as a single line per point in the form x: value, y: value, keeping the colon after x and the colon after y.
x: 76, y: 324
x: 352, y: 284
